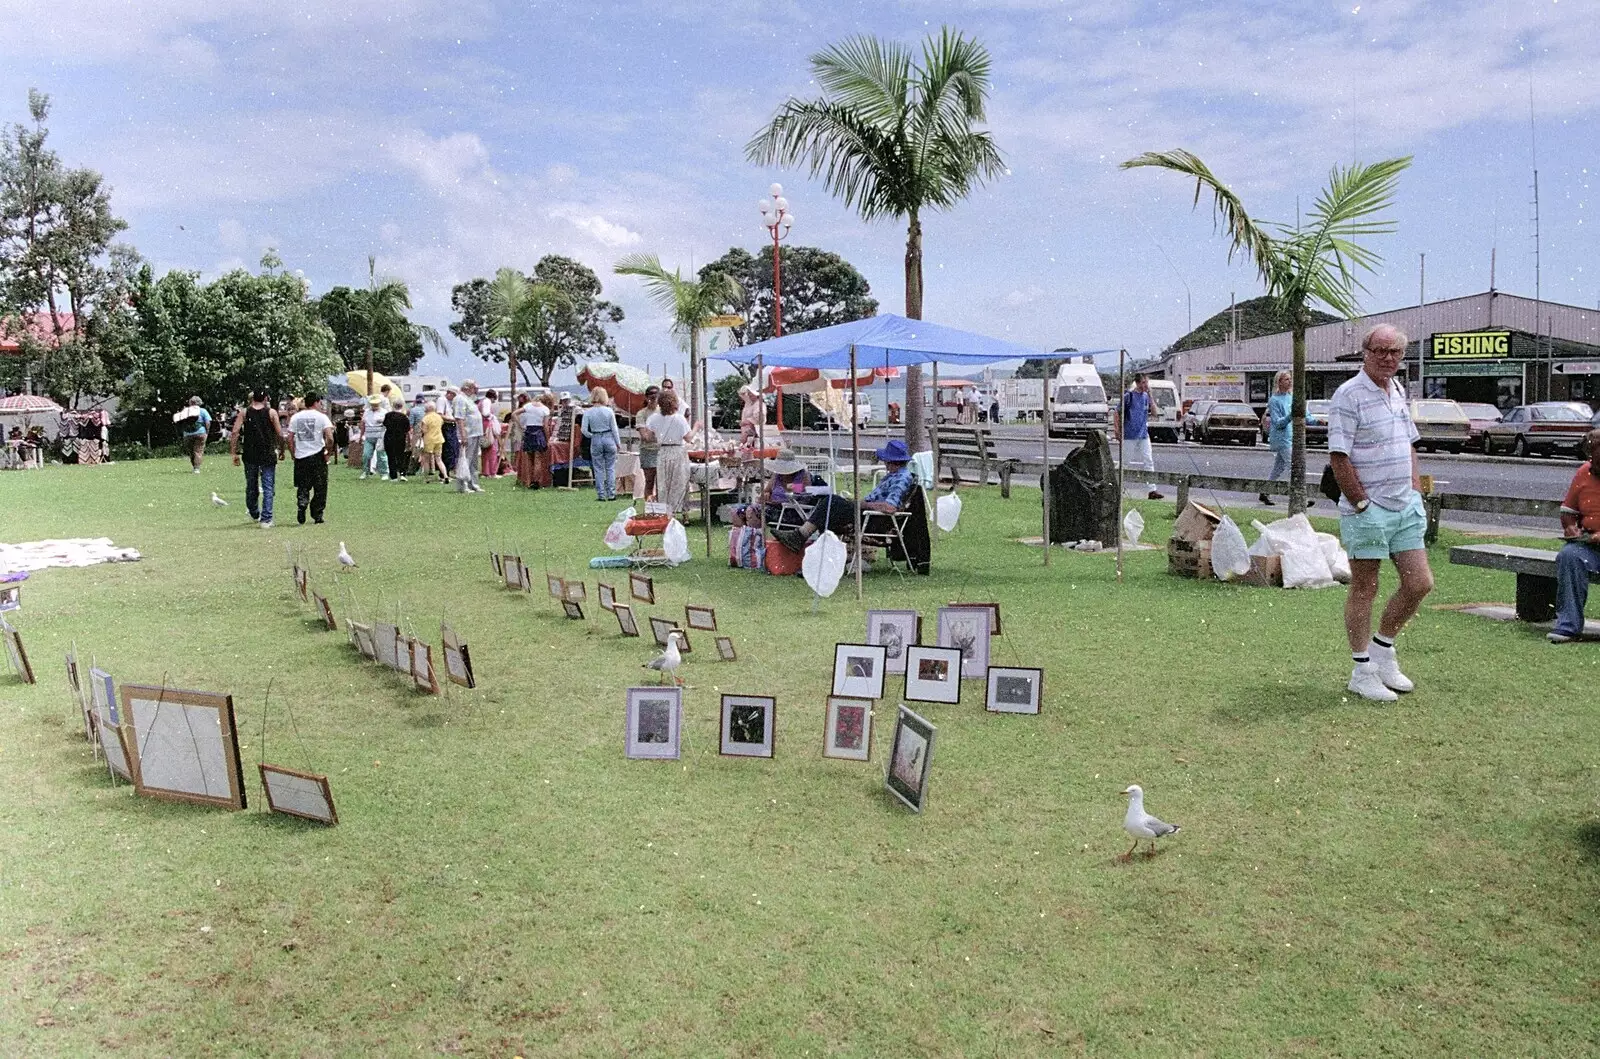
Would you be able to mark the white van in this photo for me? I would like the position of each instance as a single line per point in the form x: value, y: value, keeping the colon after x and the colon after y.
x: 1078, y: 404
x: 1164, y: 419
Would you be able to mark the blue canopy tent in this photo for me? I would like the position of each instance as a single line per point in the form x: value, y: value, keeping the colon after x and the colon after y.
x: 893, y: 342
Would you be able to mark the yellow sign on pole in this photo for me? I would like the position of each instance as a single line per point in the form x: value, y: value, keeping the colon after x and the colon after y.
x: 726, y: 320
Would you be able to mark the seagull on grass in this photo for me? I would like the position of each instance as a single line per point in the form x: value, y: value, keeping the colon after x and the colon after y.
x: 1142, y: 825
x: 669, y: 660
x: 344, y: 556
x: 217, y: 501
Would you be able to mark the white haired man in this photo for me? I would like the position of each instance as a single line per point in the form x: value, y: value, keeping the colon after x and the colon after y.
x: 1370, y: 435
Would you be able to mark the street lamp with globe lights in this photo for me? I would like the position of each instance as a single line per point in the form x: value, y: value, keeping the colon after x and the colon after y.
x: 777, y: 220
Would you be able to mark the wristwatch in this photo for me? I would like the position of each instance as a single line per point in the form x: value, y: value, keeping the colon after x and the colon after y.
x: 1361, y: 505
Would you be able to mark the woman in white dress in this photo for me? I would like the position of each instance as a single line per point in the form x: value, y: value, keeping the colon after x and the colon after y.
x: 667, y: 428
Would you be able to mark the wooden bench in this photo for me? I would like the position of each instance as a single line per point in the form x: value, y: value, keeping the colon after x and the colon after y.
x: 974, y: 446
x: 1535, y: 569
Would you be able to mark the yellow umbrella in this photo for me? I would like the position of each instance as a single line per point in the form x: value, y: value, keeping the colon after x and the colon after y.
x: 358, y: 381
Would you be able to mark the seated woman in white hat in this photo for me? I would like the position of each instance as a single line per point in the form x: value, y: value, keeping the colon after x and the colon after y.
x: 787, y: 483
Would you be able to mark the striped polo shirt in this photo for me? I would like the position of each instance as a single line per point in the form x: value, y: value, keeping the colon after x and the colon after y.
x: 1374, y: 429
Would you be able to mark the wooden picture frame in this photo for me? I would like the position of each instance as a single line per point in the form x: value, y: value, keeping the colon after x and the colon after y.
x: 575, y: 591
x: 992, y: 608
x: 654, y: 723
x: 511, y: 571
x: 1015, y: 689
x: 894, y: 630
x: 858, y: 670
x: 526, y: 576
x: 967, y: 630
x: 457, y: 659
x: 748, y: 726
x: 910, y: 757
x: 302, y: 582
x: 933, y: 674
x: 625, y: 619
x: 325, y: 612
x: 17, y: 653
x: 295, y: 793
x: 572, y: 609
x: 362, y: 638
x: 79, y: 699
x: 106, y: 724
x: 698, y: 617
x: 660, y: 627
x: 725, y: 649
x: 10, y: 598
x: 386, y: 646
x: 494, y: 561
x: 557, y: 587
x: 183, y: 746
x: 606, y: 595
x: 847, y: 733
x: 642, y: 587
x: 423, y: 675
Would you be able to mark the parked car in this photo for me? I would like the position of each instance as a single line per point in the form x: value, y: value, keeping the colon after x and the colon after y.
x: 1221, y: 422
x: 1317, y: 422
x: 1192, y: 414
x: 1547, y: 427
x: 1480, y: 417
x: 1441, y: 424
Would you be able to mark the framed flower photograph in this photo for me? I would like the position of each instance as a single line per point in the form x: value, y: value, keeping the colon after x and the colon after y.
x: 725, y: 649
x: 748, y: 725
x: 576, y: 591
x: 910, y: 755
x: 572, y: 609
x: 642, y: 588
x: 703, y: 618
x: 654, y: 718
x: 325, y: 612
x: 606, y: 594
x: 858, y: 670
x: 848, y: 734
x: 555, y: 586
x: 660, y: 627
x: 992, y: 608
x: 967, y: 630
x: 933, y: 674
x: 1014, y: 689
x: 625, y: 620
x: 302, y: 794
x: 894, y: 631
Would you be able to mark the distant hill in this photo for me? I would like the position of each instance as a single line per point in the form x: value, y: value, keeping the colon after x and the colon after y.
x: 1257, y: 317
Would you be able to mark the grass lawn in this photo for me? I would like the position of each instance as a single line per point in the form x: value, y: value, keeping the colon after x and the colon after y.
x: 1418, y: 879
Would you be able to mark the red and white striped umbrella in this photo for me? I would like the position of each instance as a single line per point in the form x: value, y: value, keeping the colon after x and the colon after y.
x: 27, y: 404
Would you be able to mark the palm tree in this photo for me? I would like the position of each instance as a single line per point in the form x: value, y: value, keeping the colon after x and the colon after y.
x: 521, y: 310
x: 1302, y: 264
x: 689, y: 302
x: 892, y: 138
x: 381, y: 306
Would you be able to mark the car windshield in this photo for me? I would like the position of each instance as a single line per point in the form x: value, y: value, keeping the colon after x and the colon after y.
x: 1481, y: 411
x: 1318, y: 408
x: 1080, y: 395
x: 1437, y: 410
x: 1564, y: 413
x: 1164, y: 398
x: 1233, y: 410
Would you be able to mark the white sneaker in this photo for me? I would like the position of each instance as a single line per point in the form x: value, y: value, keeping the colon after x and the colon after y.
x: 267, y: 524
x: 400, y: 478
x: 1365, y: 681
x: 1389, y: 668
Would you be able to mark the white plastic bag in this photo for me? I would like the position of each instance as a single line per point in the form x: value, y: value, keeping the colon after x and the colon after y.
x: 1306, y: 568
x: 947, y: 511
x: 823, y: 564
x: 1286, y: 533
x: 1338, y: 561
x: 1132, y: 527
x: 675, y: 543
x: 1230, y: 556
x: 617, y: 538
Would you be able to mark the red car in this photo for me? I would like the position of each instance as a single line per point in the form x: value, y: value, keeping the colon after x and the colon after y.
x: 1480, y: 418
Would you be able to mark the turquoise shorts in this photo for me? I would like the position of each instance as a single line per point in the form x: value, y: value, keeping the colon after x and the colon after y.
x: 1378, y: 533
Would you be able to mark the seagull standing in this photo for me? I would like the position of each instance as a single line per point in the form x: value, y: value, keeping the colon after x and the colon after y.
x: 217, y: 501
x: 1141, y: 824
x: 669, y: 660
x: 344, y: 556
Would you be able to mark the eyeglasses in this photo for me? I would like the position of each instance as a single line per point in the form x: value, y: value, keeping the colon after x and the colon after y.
x: 1388, y: 351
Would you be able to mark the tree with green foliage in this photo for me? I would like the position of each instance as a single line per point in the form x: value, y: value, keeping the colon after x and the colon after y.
x: 527, y: 316
x: 1256, y: 317
x: 892, y: 138
x: 573, y: 320
x: 378, y: 310
x: 820, y: 289
x: 1302, y: 263
x: 690, y: 303
x: 1039, y: 367
x: 395, y: 350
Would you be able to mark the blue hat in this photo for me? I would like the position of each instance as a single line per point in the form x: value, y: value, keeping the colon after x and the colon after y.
x: 894, y: 451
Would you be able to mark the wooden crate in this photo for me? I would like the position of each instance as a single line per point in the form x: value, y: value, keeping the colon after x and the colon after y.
x: 1189, y: 558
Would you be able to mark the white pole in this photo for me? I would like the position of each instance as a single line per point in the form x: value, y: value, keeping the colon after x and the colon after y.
x: 1122, y: 396
x: 855, y: 464
x: 1045, y: 405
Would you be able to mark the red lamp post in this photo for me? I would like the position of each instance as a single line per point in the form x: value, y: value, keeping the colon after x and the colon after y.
x: 777, y: 220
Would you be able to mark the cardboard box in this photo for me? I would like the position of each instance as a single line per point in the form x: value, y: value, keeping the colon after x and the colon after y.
x: 1189, y: 558
x: 1266, y: 571
x: 1196, y: 524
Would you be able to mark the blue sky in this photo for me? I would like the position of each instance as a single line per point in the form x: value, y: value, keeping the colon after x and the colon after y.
x: 452, y: 137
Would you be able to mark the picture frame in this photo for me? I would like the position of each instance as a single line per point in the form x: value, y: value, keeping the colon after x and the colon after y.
x: 10, y: 598
x: 702, y: 618
x: 302, y: 582
x: 361, y: 636
x: 556, y: 586
x: 606, y: 595
x: 654, y: 723
x: 106, y: 723
x: 748, y: 727
x: 933, y: 674
x: 17, y: 653
x: 457, y: 660
x: 572, y: 609
x: 524, y: 578
x: 894, y: 630
x: 725, y: 649
x: 625, y: 619
x: 183, y: 746
x: 1014, y: 689
x: 325, y: 611
x: 386, y: 645
x: 79, y: 699
x: 511, y: 571
x: 295, y: 793
x: 858, y: 670
x: 494, y: 561
x: 103, y: 694
x: 423, y: 675
x: 660, y: 627
x: 575, y: 591
x: 642, y: 587
x: 967, y: 630
x: 847, y: 733
x: 992, y: 608
x: 910, y: 758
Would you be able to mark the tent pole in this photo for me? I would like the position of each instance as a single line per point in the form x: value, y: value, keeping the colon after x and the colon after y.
x: 704, y: 383
x: 933, y: 425
x: 1045, y: 416
x: 855, y: 464
x: 761, y: 429
x: 1123, y: 398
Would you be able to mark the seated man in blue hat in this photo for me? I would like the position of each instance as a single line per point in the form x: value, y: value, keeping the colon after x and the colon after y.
x: 838, y: 513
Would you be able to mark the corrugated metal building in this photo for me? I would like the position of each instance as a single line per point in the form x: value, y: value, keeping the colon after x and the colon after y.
x: 1493, y: 347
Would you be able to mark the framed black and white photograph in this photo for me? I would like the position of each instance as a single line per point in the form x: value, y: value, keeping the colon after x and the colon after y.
x: 10, y: 597
x: 848, y: 734
x: 894, y: 631
x: 183, y: 745
x: 17, y: 654
x: 858, y: 670
x: 555, y: 586
x: 457, y: 659
x: 576, y: 591
x: 933, y: 674
x: 642, y: 588
x: 572, y: 609
x: 702, y: 618
x: 725, y: 649
x: 654, y: 717
x: 967, y: 630
x: 748, y: 723
x: 511, y: 571
x: 361, y: 636
x: 992, y: 608
x: 910, y: 755
x: 606, y: 595
x: 660, y: 627
x: 1014, y: 689
x: 294, y: 793
x: 625, y: 620
x: 386, y: 646
x: 325, y: 612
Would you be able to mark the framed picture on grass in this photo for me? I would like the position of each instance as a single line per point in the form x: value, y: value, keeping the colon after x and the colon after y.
x: 992, y: 608
x: 1014, y: 689
x: 17, y: 654
x: 183, y: 745
x: 525, y: 577
x: 606, y: 595
x: 858, y: 670
x: 10, y: 597
x: 725, y: 649
x: 660, y: 627
x: 572, y: 609
x: 494, y: 560
x: 511, y: 571
x: 654, y: 718
x: 894, y: 631
x: 294, y: 793
x: 848, y: 733
x: 79, y: 699
x: 422, y: 671
x: 910, y: 755
x: 576, y: 591
x: 933, y: 674
x: 703, y: 618
x: 325, y: 612
x: 457, y: 660
x: 748, y: 723
x: 107, y: 725
x: 967, y: 630
x: 625, y: 620
x: 555, y: 586
x: 642, y: 588
x: 363, y: 640
x: 386, y: 646
x: 302, y: 582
